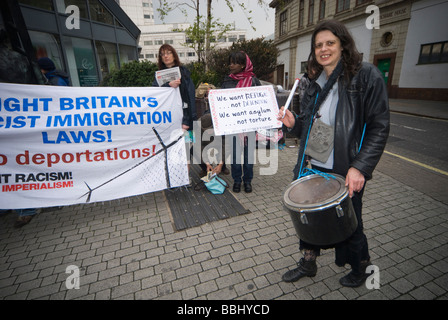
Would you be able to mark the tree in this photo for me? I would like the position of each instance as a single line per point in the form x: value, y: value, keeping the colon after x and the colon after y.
x: 131, y: 74
x: 263, y: 54
x: 209, y: 25
x: 197, y: 38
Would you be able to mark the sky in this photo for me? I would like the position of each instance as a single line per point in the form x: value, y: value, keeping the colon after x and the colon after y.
x: 263, y: 17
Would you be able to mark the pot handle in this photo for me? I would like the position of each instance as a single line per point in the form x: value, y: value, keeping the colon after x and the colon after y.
x: 303, y: 218
x: 339, y: 211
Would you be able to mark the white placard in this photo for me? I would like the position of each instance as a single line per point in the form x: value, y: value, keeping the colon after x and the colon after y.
x: 167, y: 75
x: 243, y: 109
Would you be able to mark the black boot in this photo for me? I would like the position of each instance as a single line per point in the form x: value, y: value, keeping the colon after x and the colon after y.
x: 304, y: 269
x: 354, y: 280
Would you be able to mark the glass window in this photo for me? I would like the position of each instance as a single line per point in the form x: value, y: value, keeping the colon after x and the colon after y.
x: 43, y: 4
x: 283, y: 22
x: 81, y: 61
x: 61, y: 5
x: 424, y: 54
x: 47, y: 45
x: 434, y: 53
x: 127, y: 53
x: 343, y: 5
x: 311, y: 12
x: 99, y: 13
x: 107, y: 56
x: 301, y: 12
x: 321, y: 9
x: 444, y: 57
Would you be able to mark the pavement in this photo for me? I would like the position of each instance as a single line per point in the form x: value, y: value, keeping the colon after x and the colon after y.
x: 127, y: 249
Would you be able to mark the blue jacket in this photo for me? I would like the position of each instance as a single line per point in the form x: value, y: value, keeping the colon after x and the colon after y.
x: 57, y: 78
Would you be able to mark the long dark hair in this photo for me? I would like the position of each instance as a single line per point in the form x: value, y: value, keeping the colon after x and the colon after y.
x: 351, y: 58
x: 167, y: 47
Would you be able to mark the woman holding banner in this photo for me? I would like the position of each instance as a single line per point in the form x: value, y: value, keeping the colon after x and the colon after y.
x: 241, y: 75
x: 349, y: 97
x: 168, y: 58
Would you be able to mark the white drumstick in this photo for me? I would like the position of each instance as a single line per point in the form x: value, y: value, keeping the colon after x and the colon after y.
x: 291, y: 94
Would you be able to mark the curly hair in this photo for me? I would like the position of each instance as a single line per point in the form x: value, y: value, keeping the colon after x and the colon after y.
x: 163, y: 48
x: 351, y: 58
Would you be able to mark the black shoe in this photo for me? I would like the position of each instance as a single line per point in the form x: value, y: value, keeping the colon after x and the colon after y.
x: 237, y: 187
x: 22, y: 220
x: 304, y: 269
x: 354, y: 280
x: 247, y: 187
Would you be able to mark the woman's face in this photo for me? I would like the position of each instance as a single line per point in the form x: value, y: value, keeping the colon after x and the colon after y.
x: 236, y: 68
x: 167, y: 58
x: 328, y: 50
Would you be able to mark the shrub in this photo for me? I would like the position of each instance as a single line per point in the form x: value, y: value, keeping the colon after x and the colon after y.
x: 131, y: 74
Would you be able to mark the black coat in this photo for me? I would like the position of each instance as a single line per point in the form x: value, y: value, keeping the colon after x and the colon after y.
x: 363, y: 101
x: 187, y: 93
x: 229, y: 83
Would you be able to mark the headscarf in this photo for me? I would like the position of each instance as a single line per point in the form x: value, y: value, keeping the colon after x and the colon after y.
x: 244, y: 80
x: 244, y: 77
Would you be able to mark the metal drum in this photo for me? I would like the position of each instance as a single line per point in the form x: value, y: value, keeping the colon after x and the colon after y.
x: 321, y: 209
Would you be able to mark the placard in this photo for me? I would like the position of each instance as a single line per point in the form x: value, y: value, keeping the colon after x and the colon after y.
x: 69, y: 145
x: 167, y: 75
x: 243, y: 109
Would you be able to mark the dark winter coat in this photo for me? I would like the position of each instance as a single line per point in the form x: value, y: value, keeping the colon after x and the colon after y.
x: 187, y: 93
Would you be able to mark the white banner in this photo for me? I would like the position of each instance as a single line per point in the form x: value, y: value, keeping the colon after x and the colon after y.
x: 243, y: 109
x: 69, y: 145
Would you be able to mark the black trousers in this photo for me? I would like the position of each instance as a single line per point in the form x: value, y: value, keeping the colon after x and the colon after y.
x: 354, y: 249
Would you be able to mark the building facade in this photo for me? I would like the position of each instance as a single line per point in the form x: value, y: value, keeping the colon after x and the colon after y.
x: 406, y: 39
x: 85, y: 38
x: 154, y: 35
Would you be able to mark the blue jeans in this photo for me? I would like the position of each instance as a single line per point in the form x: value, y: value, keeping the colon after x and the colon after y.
x: 26, y: 212
x: 241, y: 171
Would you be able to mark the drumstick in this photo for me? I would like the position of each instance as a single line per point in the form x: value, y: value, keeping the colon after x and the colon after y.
x: 294, y: 87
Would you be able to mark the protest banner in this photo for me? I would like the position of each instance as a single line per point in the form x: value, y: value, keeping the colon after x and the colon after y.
x: 69, y: 145
x: 243, y: 109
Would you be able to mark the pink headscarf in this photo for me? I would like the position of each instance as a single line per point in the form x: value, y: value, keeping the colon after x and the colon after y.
x: 244, y: 77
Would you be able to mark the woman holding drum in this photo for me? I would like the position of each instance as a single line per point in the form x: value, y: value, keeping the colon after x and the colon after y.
x: 343, y: 128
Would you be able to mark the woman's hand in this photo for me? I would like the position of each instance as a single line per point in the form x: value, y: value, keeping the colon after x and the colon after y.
x: 354, y: 181
x: 175, y: 83
x: 217, y: 169
x: 209, y: 167
x: 288, y: 119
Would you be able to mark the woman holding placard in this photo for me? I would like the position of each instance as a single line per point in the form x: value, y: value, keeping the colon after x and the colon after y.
x: 241, y: 75
x: 168, y: 58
